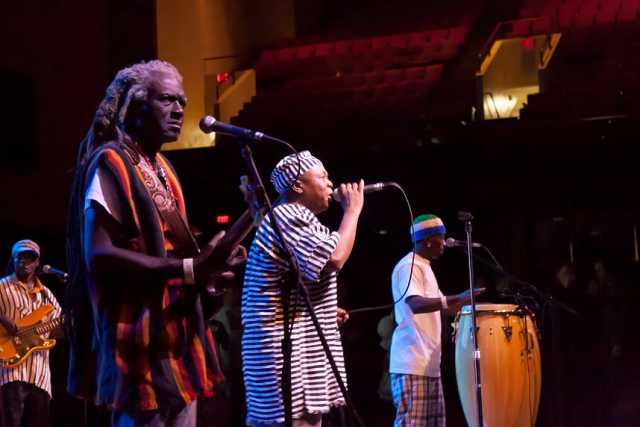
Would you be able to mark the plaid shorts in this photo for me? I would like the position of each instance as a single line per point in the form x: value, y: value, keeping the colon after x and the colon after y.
x: 419, y: 401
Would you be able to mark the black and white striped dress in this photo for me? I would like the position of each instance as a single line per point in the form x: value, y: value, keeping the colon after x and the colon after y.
x: 314, y: 388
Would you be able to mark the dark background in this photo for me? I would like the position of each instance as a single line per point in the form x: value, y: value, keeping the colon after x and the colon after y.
x: 534, y: 187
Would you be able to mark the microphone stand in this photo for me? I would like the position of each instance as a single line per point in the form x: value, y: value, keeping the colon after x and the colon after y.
x: 264, y: 200
x: 466, y: 217
x: 544, y: 296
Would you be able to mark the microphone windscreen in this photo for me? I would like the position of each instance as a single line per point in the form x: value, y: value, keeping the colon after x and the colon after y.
x: 206, y: 124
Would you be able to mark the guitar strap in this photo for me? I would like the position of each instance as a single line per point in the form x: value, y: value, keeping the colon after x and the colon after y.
x: 184, y: 241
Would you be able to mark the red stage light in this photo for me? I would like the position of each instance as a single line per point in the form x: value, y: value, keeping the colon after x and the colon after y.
x: 222, y: 219
x: 528, y: 43
x: 223, y: 77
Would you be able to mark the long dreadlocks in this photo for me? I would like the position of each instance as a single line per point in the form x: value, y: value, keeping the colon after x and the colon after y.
x: 111, y: 123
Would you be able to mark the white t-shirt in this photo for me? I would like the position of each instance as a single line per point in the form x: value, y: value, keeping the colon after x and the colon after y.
x: 416, y: 342
x: 101, y: 190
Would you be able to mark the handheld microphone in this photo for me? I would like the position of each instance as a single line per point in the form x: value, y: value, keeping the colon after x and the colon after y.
x: 453, y: 243
x: 210, y: 124
x: 369, y: 188
x: 47, y: 269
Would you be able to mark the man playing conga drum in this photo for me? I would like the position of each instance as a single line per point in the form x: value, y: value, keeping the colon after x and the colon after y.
x: 416, y: 342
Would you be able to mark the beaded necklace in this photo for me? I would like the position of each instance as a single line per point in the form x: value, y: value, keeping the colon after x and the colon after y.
x: 160, y: 173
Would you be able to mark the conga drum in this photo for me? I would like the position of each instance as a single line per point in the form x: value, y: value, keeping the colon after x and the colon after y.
x: 509, y: 365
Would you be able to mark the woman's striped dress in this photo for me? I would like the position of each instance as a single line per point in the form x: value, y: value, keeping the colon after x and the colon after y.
x: 314, y: 388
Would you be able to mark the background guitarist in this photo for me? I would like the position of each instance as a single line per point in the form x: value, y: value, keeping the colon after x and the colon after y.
x: 25, y: 389
x: 139, y: 339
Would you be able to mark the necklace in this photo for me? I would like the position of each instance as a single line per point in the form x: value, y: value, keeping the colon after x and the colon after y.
x: 161, y: 174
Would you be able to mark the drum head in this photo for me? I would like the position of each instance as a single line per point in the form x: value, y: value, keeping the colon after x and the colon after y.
x: 491, y: 308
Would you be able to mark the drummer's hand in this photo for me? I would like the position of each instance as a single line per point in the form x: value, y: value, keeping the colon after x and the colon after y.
x: 342, y: 316
x: 465, y: 297
x: 615, y: 352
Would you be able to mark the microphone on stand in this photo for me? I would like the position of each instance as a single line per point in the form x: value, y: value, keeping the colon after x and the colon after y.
x: 369, y: 188
x: 210, y: 124
x: 47, y: 269
x: 453, y: 243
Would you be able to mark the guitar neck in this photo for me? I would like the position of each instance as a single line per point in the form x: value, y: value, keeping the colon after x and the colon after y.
x: 238, y: 230
x: 49, y: 326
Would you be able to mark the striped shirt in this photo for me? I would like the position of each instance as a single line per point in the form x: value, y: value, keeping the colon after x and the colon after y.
x: 314, y: 388
x: 16, y: 302
x: 155, y: 343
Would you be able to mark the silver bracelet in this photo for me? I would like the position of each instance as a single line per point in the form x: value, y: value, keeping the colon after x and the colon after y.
x: 187, y: 268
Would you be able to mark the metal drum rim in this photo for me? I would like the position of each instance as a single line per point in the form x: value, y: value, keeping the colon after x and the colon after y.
x: 485, y: 310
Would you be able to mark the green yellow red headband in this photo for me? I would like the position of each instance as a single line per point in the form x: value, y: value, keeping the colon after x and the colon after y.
x: 425, y: 226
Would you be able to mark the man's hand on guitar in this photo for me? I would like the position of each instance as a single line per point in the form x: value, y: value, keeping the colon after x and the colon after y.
x: 9, y: 325
x: 212, y: 258
x: 215, y: 259
x: 222, y: 279
x: 224, y: 252
x: 238, y: 256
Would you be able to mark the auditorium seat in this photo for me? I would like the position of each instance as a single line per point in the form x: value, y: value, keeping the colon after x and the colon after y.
x: 380, y: 42
x: 393, y: 77
x: 457, y: 35
x: 628, y: 11
x: 324, y: 49
x: 343, y: 47
x: 419, y: 39
x: 541, y: 25
x: 585, y: 16
x: 607, y: 13
x: 416, y: 73
x: 566, y: 13
x: 361, y: 46
x: 521, y: 28
x: 399, y: 41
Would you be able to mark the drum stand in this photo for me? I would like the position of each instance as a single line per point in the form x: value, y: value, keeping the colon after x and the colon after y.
x: 466, y: 217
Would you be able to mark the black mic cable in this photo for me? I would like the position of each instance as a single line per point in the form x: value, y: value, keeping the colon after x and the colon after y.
x: 413, y: 258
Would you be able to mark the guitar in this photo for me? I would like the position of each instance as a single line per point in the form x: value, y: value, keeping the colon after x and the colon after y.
x: 246, y: 222
x: 249, y: 219
x: 14, y: 349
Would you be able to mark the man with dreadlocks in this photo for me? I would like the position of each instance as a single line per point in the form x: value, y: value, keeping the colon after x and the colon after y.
x: 139, y: 338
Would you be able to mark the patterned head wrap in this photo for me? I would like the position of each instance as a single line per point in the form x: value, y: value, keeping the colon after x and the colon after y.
x: 25, y: 246
x: 425, y: 226
x: 286, y: 172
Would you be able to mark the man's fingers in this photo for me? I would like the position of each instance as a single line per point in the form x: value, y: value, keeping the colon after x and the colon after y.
x: 343, y: 313
x: 216, y: 239
x: 240, y: 251
x: 238, y: 256
x: 228, y: 275
x: 342, y: 316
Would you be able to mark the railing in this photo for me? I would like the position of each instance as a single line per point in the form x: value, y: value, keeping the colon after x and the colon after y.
x: 233, y: 61
x: 499, y: 31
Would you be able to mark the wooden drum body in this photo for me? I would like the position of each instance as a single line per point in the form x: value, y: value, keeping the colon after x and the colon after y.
x: 509, y: 365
